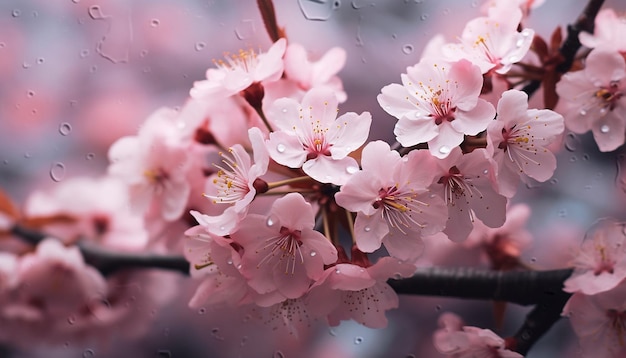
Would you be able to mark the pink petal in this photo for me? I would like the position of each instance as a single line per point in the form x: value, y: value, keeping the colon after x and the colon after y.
x: 286, y: 149
x: 369, y: 231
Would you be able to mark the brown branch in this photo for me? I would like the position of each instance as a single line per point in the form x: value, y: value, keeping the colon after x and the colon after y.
x: 266, y: 7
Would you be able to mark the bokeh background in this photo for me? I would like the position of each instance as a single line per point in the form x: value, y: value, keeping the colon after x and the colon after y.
x: 75, y: 75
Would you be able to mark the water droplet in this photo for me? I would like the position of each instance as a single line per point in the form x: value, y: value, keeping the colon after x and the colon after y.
x: 284, y: 110
x: 407, y: 49
x: 75, y: 1
x: 562, y: 213
x: 279, y: 354
x: 89, y: 353
x: 270, y: 221
x: 358, y: 340
x: 65, y: 128
x: 519, y: 42
x: 26, y: 65
x: 583, y: 112
x: 164, y: 353
x: 424, y: 17
x: 604, y: 128
x: 200, y: 46
x: 486, y: 171
x: 155, y: 22
x: 244, y: 340
x: 16, y: 13
x: 444, y: 149
x: 603, y: 110
x: 89, y: 156
x: 554, y: 181
x: 30, y: 94
x: 84, y: 53
x: 313, y: 253
x: 318, y: 10
x: 367, y: 229
x: 571, y: 142
x: 2, y: 44
x: 438, y: 308
x: 585, y: 156
x: 573, y: 159
x: 93, y: 69
x: 215, y: 332
x: 40, y: 60
x: 202, y: 310
x: 337, y: 271
x: 336, y: 4
x: 332, y: 332
x: 95, y: 12
x: 245, y: 29
x: 27, y: 155
x: 229, y: 261
x: 71, y: 319
x: 143, y: 53
x: 280, y: 148
x: 57, y: 171
x: 351, y: 169
x: 533, y: 259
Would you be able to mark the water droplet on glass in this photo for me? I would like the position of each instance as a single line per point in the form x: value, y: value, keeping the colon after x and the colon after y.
x: 313, y: 253
x: 604, y: 128
x: 585, y: 156
x: 438, y: 308
x: 284, y: 110
x: 533, y: 259
x: 75, y: 1
x: 93, y: 69
x: 279, y: 354
x: 571, y: 142
x: 200, y: 46
x: 27, y: 155
x: 71, y: 319
x: 155, y: 22
x: 332, y: 332
x: 89, y: 156
x: 424, y: 17
x: 351, y: 169
x: 16, y: 13
x: 89, y: 353
x: 65, y: 128
x: 164, y: 353
x: 202, y: 310
x: 407, y: 49
x: 603, y: 110
x: 280, y: 148
x: 519, y: 43
x: 358, y: 340
x: 554, y: 181
x: 41, y: 60
x: 317, y: 10
x: 84, y: 53
x: 562, y: 213
x: 573, y: 159
x: 57, y: 171
x: 444, y: 149
x: 367, y: 229
x: 95, y: 12
x: 244, y: 340
x: 30, y: 94
x: 245, y: 29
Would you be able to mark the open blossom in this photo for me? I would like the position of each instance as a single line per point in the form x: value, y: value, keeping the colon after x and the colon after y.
x: 466, y: 184
x: 599, y: 321
x: 238, y: 71
x: 493, y: 43
x: 311, y: 136
x: 600, y: 265
x: 594, y: 98
x: 519, y: 137
x: 234, y: 185
x: 458, y: 341
x: 437, y: 103
x: 608, y: 32
x: 392, y: 202
x: 282, y: 251
x: 154, y: 166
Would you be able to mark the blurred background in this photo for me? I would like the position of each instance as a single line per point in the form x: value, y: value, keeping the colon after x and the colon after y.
x: 75, y: 75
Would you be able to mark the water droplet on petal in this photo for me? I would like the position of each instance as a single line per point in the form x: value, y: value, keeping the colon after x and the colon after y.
x: 271, y: 221
x: 65, y: 128
x: 229, y: 261
x: 351, y: 169
x: 486, y: 171
x: 367, y: 229
x: 519, y: 43
x: 358, y: 340
x: 57, y: 171
x: 583, y: 112
x: 313, y: 253
x: 603, y: 111
x: 444, y: 149
x: 337, y: 271
x: 604, y: 128
x: 407, y: 49
x: 280, y: 148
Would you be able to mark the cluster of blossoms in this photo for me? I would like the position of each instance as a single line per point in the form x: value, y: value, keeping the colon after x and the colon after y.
x: 278, y: 202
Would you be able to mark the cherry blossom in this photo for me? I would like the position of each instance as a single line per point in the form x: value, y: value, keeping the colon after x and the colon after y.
x: 607, y: 34
x: 239, y: 71
x: 594, y: 98
x: 455, y: 340
x: 8, y: 272
x: 599, y: 322
x: 466, y: 184
x: 519, y: 137
x: 350, y: 291
x: 282, y: 252
x: 493, y: 43
x: 437, y: 103
x: 311, y: 136
x: 393, y: 204
x: 600, y: 264
x: 234, y: 185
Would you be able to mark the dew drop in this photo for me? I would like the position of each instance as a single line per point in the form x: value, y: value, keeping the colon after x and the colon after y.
x: 583, y: 112
x: 57, y: 171
x: 16, y: 13
x: 202, y: 310
x: 367, y: 229
x: 30, y: 94
x: 486, y: 171
x: 229, y: 261
x: 71, y: 319
x: 444, y: 149
x: 571, y: 142
x: 603, y: 111
x: 358, y: 340
x: 280, y: 148
x: 41, y: 60
x: 351, y: 169
x: 2, y: 44
x: 562, y: 213
x: 313, y: 253
x: 284, y: 110
x: 424, y: 17
x: 89, y: 353
x: 336, y: 4
x: 279, y: 354
x: 585, y: 156
x: 95, y: 12
x: 554, y: 181
x: 270, y: 221
x: 84, y: 53
x: 519, y: 43
x: 604, y: 128
x: 89, y: 156
x: 244, y: 340
x: 438, y: 308
x: 65, y: 128
x: 407, y: 49
x: 155, y: 22
x: 573, y: 159
x: 26, y: 65
x: 200, y: 46
x: 75, y: 1
x: 533, y: 259
x: 337, y: 271
x: 164, y: 353
x: 333, y: 333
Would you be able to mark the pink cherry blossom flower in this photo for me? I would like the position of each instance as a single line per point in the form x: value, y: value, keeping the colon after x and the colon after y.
x: 282, y: 252
x: 466, y: 184
x: 607, y: 33
x: 455, y: 340
x: 437, y: 103
x: 518, y: 139
x: 349, y: 291
x: 234, y: 185
x: 154, y: 165
x: 393, y: 204
x: 8, y: 272
x: 493, y: 43
x: 599, y: 321
x: 594, y: 98
x: 311, y: 136
x: 505, y: 5
x: 600, y: 265
x: 239, y: 71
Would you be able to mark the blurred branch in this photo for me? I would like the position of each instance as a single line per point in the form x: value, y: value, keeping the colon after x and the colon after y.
x: 266, y: 7
x: 571, y: 45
